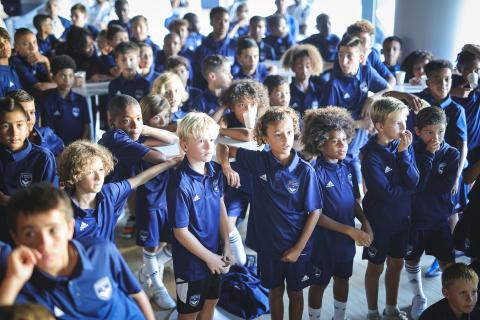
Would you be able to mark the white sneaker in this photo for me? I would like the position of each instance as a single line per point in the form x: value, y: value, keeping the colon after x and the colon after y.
x: 162, y: 298
x: 399, y: 315
x: 419, y: 304
x: 144, y: 280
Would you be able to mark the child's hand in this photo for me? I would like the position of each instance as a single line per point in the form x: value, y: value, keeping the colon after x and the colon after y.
x: 455, y: 187
x: 233, y: 178
x: 4, y: 199
x: 405, y: 141
x: 414, y: 102
x: 21, y: 262
x: 173, y: 162
x: 361, y: 238
x: 215, y: 264
x: 433, y: 146
x: 368, y: 229
x: 291, y: 255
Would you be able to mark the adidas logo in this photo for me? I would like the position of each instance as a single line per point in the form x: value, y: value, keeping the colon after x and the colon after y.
x: 388, y: 169
x: 58, y: 312
x: 11, y: 84
x: 330, y: 184
x: 263, y: 177
x: 57, y: 113
x: 305, y: 278
x: 196, y: 198
x: 83, y: 225
x: 346, y: 96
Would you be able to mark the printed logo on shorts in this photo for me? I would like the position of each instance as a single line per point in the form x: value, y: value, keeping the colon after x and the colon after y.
x: 441, y: 167
x: 292, y: 186
x: 364, y: 87
x: 25, y: 179
x: 138, y: 94
x: 409, y: 250
x: 143, y: 235
x: 76, y: 112
x: 263, y: 177
x: 317, y: 272
x: 372, y: 252
x: 103, y: 288
x: 305, y: 278
x: 215, y: 186
x: 194, y: 300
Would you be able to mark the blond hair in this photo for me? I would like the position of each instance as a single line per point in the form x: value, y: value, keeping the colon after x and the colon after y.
x: 458, y: 271
x: 161, y: 81
x: 77, y: 157
x: 196, y: 124
x: 384, y: 106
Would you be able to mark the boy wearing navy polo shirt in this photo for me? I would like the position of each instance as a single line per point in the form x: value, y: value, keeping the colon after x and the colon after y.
x: 140, y: 33
x: 324, y: 40
x: 45, y: 38
x: 248, y: 66
x: 171, y: 47
x: 62, y: 109
x: 115, y: 35
x: 122, y: 11
x: 392, y: 50
x: 216, y: 70
x: 391, y: 177
x: 201, y: 250
x: 459, y: 287
x: 279, y: 38
x: 216, y: 43
x: 8, y: 76
x: 437, y: 164
x: 256, y: 30
x: 32, y: 67
x: 73, y: 279
x: 130, y: 81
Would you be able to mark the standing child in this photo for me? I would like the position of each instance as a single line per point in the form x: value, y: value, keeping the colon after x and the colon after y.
x: 391, y: 177
x: 22, y: 163
x: 201, y: 250
x: 326, y: 134
x: 325, y: 41
x: 392, y: 50
x: 279, y: 39
x: 278, y: 91
x: 122, y: 10
x: 169, y: 86
x: 47, y: 42
x: 432, y: 205
x: 63, y: 110
x: 305, y: 61
x: 9, y: 80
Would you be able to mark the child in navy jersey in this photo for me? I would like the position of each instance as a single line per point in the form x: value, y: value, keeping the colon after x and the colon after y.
x: 325, y: 41
x: 279, y: 39
x: 130, y: 81
x: 140, y: 33
x: 247, y: 64
x: 63, y: 110
x: 8, y: 76
x: 305, y: 62
x: 21, y: 162
x: 47, y: 42
x: 437, y: 164
x: 326, y: 134
x: 459, y: 287
x: 391, y: 178
x: 201, y: 250
x: 278, y: 90
x: 256, y: 30
x: 93, y: 271
x: 147, y: 66
x: 392, y: 50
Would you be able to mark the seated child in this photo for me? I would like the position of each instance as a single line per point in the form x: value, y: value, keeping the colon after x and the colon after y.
x: 130, y: 81
x: 305, y: 62
x: 459, y: 287
x: 392, y: 50
x: 140, y: 33
x: 41, y: 136
x: 291, y: 23
x: 325, y: 41
x: 196, y: 212
x: 147, y: 66
x: 256, y: 30
x: 41, y: 221
x: 279, y: 38
x: 59, y: 23
x: 181, y: 67
x: 326, y: 134
x: 33, y: 68
x: 122, y: 11
x: 9, y: 80
x: 115, y: 35
x: 195, y: 38
x: 391, y: 177
x: 46, y: 41
x: 171, y: 47
x: 432, y: 205
x: 239, y: 27
x: 79, y: 16
x: 247, y: 64
x: 278, y: 91
x: 82, y: 168
x: 63, y: 110
x: 414, y: 65
x: 22, y: 163
x: 169, y: 86
x: 216, y: 71
x: 365, y: 30
x: 180, y: 27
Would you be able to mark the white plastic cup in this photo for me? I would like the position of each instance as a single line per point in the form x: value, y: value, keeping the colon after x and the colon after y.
x: 400, y: 77
x: 423, y: 81
x: 249, y: 118
x: 473, y: 80
x: 80, y: 78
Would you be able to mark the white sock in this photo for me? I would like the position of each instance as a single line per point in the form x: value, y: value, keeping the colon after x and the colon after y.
x: 374, y: 311
x: 340, y: 309
x: 415, y: 279
x: 152, y: 269
x: 236, y: 245
x: 314, y: 314
x: 164, y: 255
x: 391, y: 310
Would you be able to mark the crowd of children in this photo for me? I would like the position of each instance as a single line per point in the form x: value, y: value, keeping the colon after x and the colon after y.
x: 336, y: 146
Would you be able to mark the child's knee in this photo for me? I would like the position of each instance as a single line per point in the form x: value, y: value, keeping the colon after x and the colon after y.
x: 375, y: 269
x: 295, y: 295
x: 394, y: 264
x: 277, y: 292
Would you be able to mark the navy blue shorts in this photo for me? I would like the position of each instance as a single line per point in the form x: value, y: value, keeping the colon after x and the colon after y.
x: 152, y: 227
x: 191, y: 295
x: 437, y: 243
x: 342, y: 269
x: 273, y: 272
x: 236, y: 202
x: 387, y: 242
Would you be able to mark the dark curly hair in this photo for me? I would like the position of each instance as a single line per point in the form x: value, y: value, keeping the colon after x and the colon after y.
x: 245, y: 89
x: 411, y: 59
x: 318, y: 123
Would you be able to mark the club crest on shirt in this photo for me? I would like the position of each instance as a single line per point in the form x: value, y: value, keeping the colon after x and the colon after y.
x: 441, y: 167
x: 350, y: 178
x: 143, y: 235
x: 372, y: 251
x: 25, y: 179
x: 103, y: 288
x: 138, y: 94
x: 364, y: 87
x: 314, y: 104
x: 215, y: 186
x: 194, y: 300
x: 75, y: 111
x: 292, y: 186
